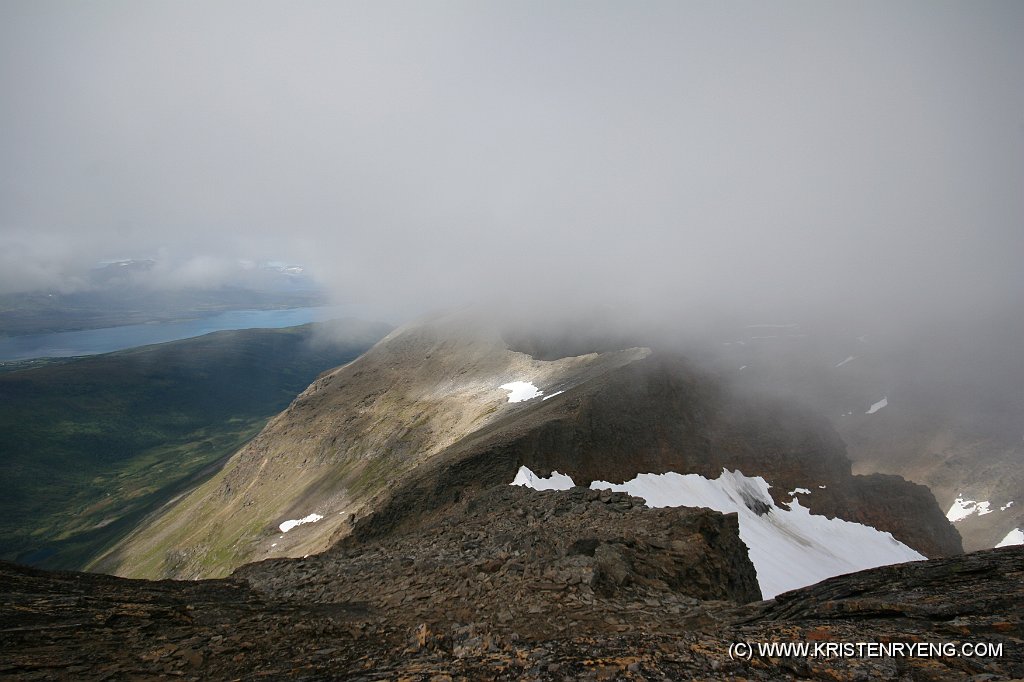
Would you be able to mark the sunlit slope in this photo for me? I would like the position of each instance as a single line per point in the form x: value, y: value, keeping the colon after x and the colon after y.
x: 343, y: 441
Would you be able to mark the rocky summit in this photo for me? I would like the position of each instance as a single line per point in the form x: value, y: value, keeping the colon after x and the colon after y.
x: 517, y: 584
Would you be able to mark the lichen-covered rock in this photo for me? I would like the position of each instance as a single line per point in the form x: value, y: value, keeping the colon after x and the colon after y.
x: 509, y: 540
x: 474, y: 598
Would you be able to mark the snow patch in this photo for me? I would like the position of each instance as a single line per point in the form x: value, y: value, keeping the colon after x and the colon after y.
x: 789, y: 549
x: 288, y: 525
x: 848, y: 359
x: 1014, y: 537
x: 802, y: 491
x: 1006, y: 506
x: 518, y: 391
x: 552, y: 395
x: 877, y: 406
x: 555, y: 481
x: 961, y: 509
x: 743, y: 368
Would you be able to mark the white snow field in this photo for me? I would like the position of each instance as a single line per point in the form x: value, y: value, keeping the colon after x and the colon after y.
x: 288, y: 525
x: 518, y: 391
x: 962, y: 508
x: 1014, y: 537
x: 790, y: 548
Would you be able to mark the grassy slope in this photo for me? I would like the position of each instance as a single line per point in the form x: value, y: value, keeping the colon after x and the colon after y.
x: 89, y: 446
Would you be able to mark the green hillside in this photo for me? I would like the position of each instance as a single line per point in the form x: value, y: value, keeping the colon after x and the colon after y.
x: 89, y: 445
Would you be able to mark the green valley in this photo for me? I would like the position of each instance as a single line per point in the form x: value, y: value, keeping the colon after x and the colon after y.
x: 90, y: 445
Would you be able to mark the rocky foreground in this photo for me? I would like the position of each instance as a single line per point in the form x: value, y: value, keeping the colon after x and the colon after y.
x: 516, y: 584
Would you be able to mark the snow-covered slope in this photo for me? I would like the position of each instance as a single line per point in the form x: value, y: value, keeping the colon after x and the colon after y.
x: 1014, y: 537
x: 790, y: 548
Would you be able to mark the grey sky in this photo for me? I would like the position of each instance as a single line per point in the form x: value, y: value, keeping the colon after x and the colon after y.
x: 852, y: 155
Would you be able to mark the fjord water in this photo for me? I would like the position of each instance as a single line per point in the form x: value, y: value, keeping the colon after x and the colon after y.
x: 106, y: 340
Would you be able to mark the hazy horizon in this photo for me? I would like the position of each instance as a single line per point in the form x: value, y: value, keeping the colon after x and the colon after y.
x: 850, y: 159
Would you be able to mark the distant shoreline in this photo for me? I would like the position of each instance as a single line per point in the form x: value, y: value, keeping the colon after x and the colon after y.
x: 82, y: 342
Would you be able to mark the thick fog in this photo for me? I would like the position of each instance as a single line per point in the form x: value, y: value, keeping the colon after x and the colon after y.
x: 856, y: 159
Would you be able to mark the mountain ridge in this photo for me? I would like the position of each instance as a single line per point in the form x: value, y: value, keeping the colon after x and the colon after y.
x: 420, y: 420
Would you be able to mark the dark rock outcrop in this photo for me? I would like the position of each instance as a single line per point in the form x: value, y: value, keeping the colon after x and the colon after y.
x: 951, y: 597
x: 499, y: 551
x: 514, y: 585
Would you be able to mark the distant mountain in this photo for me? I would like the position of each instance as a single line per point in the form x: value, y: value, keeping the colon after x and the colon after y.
x: 443, y: 408
x: 111, y: 272
x: 45, y: 312
x: 88, y: 446
x: 242, y: 274
x: 944, y: 407
x: 137, y: 291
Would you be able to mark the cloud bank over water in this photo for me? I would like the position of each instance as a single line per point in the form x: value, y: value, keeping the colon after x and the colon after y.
x: 865, y: 158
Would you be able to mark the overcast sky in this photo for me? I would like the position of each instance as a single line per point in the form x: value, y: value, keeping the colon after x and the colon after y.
x: 848, y: 155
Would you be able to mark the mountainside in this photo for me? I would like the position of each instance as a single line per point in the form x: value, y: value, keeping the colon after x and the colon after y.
x: 89, y: 445
x: 422, y: 421
x: 352, y: 433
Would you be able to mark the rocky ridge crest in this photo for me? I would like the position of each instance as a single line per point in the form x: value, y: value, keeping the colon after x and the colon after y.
x: 515, y: 584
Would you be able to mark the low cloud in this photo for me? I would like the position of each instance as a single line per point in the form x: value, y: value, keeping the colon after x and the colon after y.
x: 858, y: 159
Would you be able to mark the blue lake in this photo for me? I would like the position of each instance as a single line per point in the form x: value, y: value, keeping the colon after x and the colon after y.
x: 93, y: 341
